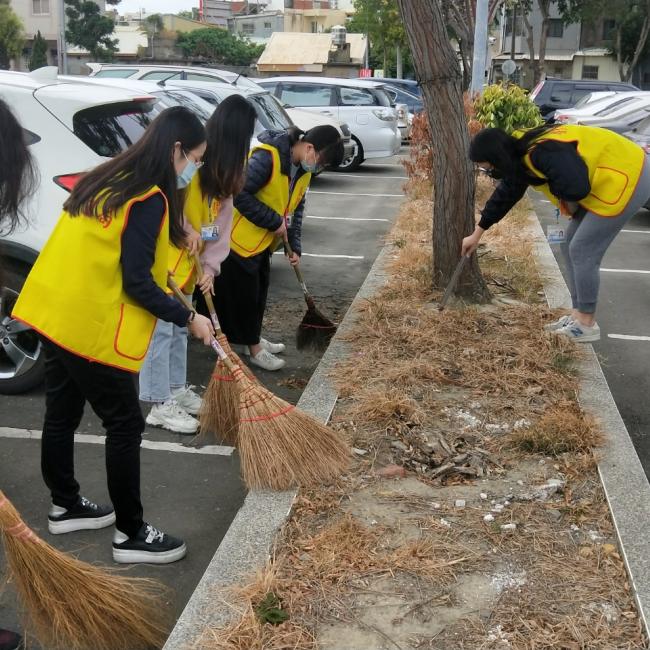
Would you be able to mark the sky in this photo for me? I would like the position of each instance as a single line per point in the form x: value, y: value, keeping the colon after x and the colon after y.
x: 171, y: 6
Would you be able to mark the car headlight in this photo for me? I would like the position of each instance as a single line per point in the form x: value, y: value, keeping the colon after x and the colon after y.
x: 384, y: 114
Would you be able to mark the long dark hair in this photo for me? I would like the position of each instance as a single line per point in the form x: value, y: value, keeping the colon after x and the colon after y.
x: 326, y: 140
x: 505, y: 152
x: 18, y: 175
x: 148, y: 162
x: 229, y: 131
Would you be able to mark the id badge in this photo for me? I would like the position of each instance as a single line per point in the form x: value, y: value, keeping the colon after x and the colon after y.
x: 210, y: 233
x: 556, y: 234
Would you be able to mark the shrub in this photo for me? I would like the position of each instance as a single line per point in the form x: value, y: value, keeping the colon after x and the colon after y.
x: 507, y: 107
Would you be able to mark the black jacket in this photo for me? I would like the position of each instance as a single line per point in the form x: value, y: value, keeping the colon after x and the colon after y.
x: 260, y: 167
x: 566, y: 171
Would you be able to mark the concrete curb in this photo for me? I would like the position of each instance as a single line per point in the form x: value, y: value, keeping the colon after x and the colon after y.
x: 625, y: 483
x: 246, y: 546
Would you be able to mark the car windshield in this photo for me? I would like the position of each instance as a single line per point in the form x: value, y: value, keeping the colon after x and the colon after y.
x: 111, y: 128
x: 176, y: 98
x: 270, y: 113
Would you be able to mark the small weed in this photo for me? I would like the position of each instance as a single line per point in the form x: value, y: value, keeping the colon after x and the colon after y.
x: 269, y: 610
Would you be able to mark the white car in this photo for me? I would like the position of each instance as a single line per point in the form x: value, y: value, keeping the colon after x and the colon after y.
x: 69, y: 130
x: 365, y: 107
x: 604, y: 110
x: 149, y: 72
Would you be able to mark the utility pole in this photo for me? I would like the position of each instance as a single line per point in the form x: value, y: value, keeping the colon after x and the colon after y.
x: 514, y: 31
x: 398, y: 51
x: 63, y: 54
x: 480, y: 46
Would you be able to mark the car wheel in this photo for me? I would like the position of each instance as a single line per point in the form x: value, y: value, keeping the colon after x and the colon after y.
x: 354, y: 160
x: 22, y: 363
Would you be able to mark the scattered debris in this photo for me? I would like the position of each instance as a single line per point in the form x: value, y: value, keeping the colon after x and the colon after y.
x: 392, y: 471
x: 460, y: 503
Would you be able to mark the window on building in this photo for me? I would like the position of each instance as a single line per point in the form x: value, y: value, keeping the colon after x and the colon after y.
x: 590, y: 72
x: 314, y: 27
x: 520, y: 25
x: 268, y: 26
x: 40, y: 7
x: 555, y: 28
x: 609, y: 25
x: 248, y: 28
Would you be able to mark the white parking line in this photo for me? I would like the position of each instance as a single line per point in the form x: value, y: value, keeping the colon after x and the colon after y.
x: 366, y: 176
x: 401, y: 196
x: 311, y: 216
x: 628, y: 337
x: 382, y: 165
x: 210, y: 450
x: 333, y: 257
x: 644, y: 232
x: 624, y: 271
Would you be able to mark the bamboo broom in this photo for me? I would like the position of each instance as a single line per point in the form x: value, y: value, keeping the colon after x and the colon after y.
x: 220, y: 407
x: 72, y: 605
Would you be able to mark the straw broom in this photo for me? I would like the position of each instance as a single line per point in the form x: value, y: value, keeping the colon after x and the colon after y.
x: 72, y: 605
x: 220, y: 408
x: 315, y: 329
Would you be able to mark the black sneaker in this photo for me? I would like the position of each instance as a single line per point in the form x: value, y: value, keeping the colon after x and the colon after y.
x: 10, y: 640
x: 86, y: 515
x: 150, y: 546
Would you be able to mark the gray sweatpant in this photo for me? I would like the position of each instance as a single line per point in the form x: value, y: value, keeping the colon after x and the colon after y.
x: 588, y: 236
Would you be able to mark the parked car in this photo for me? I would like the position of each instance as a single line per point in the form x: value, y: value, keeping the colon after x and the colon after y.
x: 365, y: 107
x: 553, y: 94
x: 641, y: 134
x: 403, y: 98
x: 624, y: 111
x: 409, y: 85
x: 573, y: 115
x: 69, y: 130
x: 149, y: 72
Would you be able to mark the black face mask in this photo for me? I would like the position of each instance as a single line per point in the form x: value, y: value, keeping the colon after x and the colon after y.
x: 493, y: 173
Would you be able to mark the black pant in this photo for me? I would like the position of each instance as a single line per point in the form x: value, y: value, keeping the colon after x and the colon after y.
x: 240, y: 296
x: 70, y: 381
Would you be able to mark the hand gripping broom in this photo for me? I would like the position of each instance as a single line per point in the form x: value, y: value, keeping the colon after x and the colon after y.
x: 220, y: 408
x: 279, y: 445
x: 315, y: 329
x: 71, y: 605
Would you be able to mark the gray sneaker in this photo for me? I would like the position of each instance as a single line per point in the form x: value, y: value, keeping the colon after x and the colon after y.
x: 580, y: 333
x: 559, y: 324
x: 264, y: 359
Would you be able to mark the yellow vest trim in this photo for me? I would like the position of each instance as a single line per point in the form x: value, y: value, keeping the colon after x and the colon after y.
x: 74, y: 294
x: 614, y: 164
x: 247, y: 239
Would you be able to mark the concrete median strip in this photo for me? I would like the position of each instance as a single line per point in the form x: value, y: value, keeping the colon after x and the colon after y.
x: 247, y: 544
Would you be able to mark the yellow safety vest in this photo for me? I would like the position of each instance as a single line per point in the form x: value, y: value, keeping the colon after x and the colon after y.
x: 614, y: 163
x: 246, y: 238
x: 200, y: 211
x: 74, y: 294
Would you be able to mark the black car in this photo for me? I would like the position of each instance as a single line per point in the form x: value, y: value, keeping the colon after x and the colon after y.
x: 553, y: 94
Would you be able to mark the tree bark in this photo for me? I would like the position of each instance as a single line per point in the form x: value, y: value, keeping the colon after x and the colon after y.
x: 619, y: 55
x: 544, y: 8
x: 439, y: 74
x: 530, y: 40
x: 643, y: 37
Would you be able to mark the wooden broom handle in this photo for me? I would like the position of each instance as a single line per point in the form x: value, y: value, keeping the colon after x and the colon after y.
x: 289, y: 252
x: 188, y: 305
x: 208, y: 297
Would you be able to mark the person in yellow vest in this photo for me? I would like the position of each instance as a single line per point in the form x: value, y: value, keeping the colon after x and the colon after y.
x: 94, y: 295
x: 269, y: 208
x: 208, y: 210
x: 595, y: 177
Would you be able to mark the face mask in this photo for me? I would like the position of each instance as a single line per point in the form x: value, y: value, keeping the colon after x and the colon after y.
x: 183, y: 179
x: 310, y: 168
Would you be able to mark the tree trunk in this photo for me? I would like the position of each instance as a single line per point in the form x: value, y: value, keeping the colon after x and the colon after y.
x: 643, y: 37
x: 439, y: 74
x: 467, y: 64
x: 544, y: 7
x: 530, y: 40
x: 619, y: 56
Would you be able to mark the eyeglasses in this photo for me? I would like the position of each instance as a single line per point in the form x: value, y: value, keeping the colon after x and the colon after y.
x: 198, y: 163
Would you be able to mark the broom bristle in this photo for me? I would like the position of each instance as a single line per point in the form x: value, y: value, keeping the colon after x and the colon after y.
x: 71, y: 605
x: 219, y: 414
x: 315, y: 330
x: 280, y: 446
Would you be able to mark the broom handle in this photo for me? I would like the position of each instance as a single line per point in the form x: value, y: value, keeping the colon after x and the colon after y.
x: 208, y: 297
x: 213, y: 343
x: 303, y: 285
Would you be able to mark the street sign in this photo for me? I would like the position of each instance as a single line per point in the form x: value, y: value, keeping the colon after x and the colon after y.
x: 365, y: 72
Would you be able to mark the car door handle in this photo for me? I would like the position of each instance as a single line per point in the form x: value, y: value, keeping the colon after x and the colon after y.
x: 329, y: 113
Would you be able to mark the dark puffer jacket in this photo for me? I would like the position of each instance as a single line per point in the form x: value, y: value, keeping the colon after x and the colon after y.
x: 260, y: 167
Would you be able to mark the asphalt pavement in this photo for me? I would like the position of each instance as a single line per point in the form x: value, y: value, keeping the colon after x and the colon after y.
x: 196, y: 495
x: 624, y: 318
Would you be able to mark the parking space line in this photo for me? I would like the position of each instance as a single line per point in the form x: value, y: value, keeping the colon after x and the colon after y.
x: 644, y: 232
x: 625, y: 271
x: 210, y: 450
x: 628, y: 337
x: 366, y: 176
x: 325, y: 256
x: 382, y: 165
x: 401, y: 196
x: 311, y: 216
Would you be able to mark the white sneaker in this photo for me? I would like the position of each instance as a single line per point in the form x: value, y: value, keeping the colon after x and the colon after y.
x: 273, y: 348
x: 171, y: 416
x: 264, y: 359
x: 580, y: 333
x: 188, y: 400
x: 559, y: 324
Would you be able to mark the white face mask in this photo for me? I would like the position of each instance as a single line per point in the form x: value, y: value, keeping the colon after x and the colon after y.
x: 183, y: 179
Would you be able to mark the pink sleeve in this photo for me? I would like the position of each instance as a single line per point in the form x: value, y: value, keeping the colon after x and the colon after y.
x: 216, y: 252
